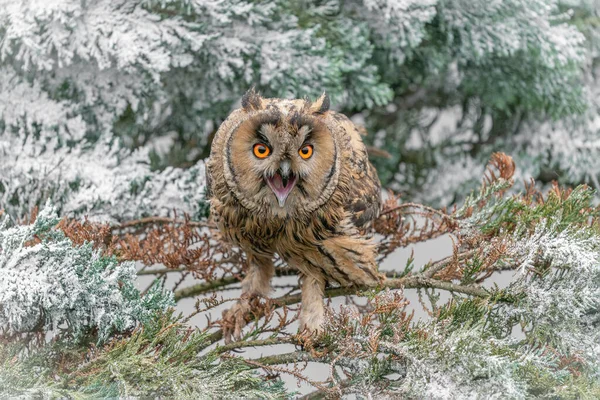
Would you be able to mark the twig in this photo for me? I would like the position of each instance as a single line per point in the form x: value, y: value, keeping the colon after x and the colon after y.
x: 317, y: 394
x: 161, y: 271
x: 441, y: 264
x: 282, y: 271
x: 416, y: 205
x: 253, y: 343
x: 285, y: 358
x: 419, y: 282
x: 212, y: 338
x: 204, y: 287
x: 270, y: 364
x: 410, y: 282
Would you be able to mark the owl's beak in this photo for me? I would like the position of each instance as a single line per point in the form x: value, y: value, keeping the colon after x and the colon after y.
x: 282, y: 182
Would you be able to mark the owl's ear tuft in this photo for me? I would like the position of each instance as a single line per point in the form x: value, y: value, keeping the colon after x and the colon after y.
x: 321, y: 105
x: 251, y: 101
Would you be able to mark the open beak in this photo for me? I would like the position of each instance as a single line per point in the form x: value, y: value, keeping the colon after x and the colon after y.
x: 282, y: 182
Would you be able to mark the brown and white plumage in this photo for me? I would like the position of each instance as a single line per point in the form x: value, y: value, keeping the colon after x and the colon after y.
x: 320, y: 226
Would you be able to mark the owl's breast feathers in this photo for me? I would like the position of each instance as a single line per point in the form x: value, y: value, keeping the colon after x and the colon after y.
x: 327, y: 245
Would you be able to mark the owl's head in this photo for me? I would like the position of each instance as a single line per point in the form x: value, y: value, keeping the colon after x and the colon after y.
x: 281, y: 157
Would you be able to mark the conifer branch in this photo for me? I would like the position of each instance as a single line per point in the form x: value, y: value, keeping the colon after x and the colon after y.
x: 285, y: 358
x: 431, y: 269
x: 205, y: 287
x: 161, y: 220
x: 411, y: 282
x: 254, y: 343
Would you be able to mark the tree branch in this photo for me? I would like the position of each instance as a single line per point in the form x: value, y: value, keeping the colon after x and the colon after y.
x: 161, y: 271
x: 418, y: 206
x: 410, y: 282
x: 160, y: 220
x: 287, y: 358
x: 204, y: 287
x: 441, y: 264
x: 254, y: 343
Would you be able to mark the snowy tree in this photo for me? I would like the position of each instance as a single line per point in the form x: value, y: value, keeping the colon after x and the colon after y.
x: 439, y: 84
x: 513, y: 76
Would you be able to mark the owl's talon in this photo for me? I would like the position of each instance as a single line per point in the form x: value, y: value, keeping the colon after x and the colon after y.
x: 234, y: 320
x: 309, y: 341
x: 304, y: 338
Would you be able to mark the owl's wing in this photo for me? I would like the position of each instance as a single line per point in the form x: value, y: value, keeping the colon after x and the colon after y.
x: 364, y: 196
x: 365, y: 203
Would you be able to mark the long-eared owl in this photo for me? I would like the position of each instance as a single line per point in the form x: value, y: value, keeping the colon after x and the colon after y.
x: 292, y: 177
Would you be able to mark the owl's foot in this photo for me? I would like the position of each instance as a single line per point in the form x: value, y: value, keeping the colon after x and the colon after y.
x: 310, y: 326
x: 311, y: 319
x: 234, y: 320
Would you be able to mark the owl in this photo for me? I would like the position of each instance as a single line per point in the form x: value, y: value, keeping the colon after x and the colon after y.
x: 292, y: 178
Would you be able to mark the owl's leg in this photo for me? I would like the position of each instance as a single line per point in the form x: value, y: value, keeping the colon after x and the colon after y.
x: 311, y: 315
x: 257, y: 282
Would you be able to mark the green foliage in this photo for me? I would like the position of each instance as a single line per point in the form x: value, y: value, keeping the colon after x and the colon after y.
x: 497, y: 213
x: 157, y: 360
x: 513, y: 76
x: 535, y: 338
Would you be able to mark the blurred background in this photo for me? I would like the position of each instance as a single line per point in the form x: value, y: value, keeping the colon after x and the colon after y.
x: 111, y: 101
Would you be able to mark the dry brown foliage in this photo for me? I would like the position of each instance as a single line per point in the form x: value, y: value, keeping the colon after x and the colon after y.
x: 401, y: 225
x: 172, y: 243
x: 501, y: 164
x: 81, y: 232
x: 176, y: 245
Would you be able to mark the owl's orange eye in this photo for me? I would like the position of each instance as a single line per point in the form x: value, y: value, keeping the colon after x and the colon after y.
x: 306, y: 151
x: 261, y: 151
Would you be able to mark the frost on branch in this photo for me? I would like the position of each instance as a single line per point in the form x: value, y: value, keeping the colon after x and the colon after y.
x: 559, y: 286
x: 158, y: 361
x: 104, y: 182
x: 47, y: 283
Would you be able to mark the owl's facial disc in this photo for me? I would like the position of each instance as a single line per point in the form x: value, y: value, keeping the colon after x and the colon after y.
x: 282, y: 182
